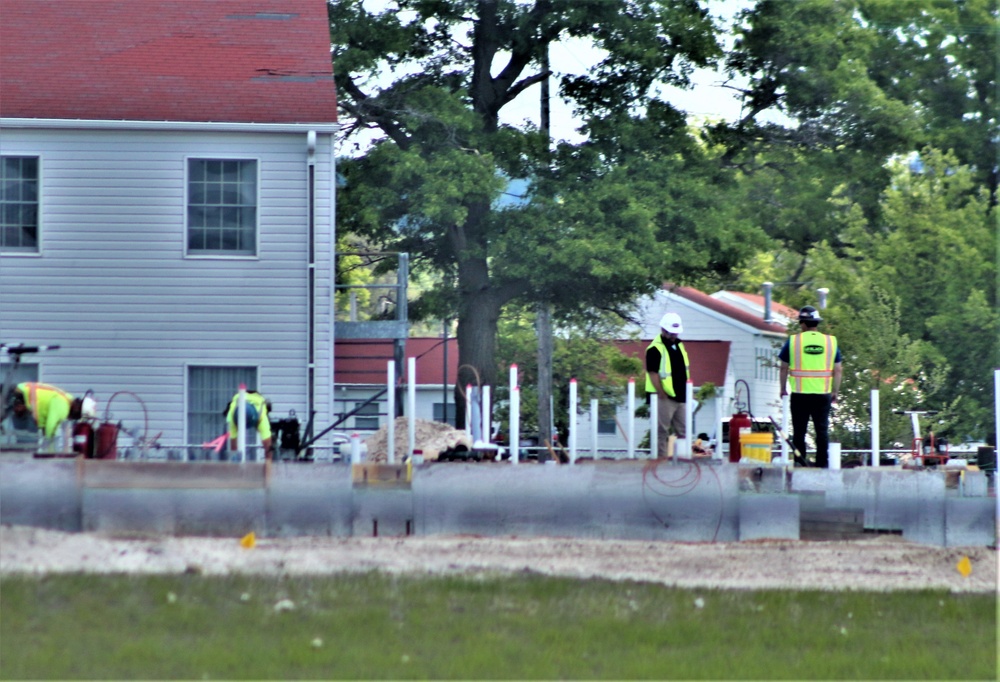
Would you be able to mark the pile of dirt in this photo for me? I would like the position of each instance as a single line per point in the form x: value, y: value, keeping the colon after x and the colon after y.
x: 432, y: 438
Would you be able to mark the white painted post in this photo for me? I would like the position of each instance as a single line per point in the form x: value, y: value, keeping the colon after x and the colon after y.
x: 685, y: 448
x: 487, y: 415
x: 411, y: 407
x: 512, y: 388
x: 391, y: 409
x: 630, y: 420
x: 654, y: 422
x: 355, y: 448
x: 593, y: 427
x: 572, y: 421
x: 468, y: 411
x: 241, y: 422
x: 996, y: 433
x: 719, y: 402
x: 786, y: 418
x: 875, y: 427
x: 833, y: 456
x: 515, y: 425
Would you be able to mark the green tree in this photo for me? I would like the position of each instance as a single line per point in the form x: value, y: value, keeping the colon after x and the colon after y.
x: 603, y: 221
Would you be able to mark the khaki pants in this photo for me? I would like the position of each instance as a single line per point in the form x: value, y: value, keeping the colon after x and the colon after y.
x: 671, y: 415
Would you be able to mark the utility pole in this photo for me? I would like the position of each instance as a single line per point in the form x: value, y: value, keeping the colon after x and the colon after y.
x: 543, y: 321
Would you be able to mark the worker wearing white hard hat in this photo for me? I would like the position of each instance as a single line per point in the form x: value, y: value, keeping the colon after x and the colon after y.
x: 667, y: 371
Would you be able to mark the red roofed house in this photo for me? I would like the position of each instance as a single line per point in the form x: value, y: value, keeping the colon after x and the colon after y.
x: 754, y: 342
x: 167, y: 205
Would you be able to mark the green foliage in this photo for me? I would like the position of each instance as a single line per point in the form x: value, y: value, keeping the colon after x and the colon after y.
x: 377, y: 626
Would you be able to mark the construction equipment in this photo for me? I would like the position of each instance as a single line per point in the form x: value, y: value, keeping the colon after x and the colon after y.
x: 923, y: 449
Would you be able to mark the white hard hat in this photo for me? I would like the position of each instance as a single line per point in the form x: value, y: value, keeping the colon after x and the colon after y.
x: 671, y: 323
x: 88, y: 410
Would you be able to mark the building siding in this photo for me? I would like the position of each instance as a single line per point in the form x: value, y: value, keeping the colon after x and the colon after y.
x: 112, y: 285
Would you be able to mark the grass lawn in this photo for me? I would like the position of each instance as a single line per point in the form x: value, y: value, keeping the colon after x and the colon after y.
x: 375, y: 626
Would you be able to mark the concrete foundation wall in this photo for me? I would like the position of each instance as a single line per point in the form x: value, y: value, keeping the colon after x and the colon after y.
x: 642, y: 500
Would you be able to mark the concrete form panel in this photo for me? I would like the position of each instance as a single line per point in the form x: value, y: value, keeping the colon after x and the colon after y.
x: 773, y: 516
x: 310, y: 499
x: 42, y: 493
x: 970, y: 522
x: 200, y: 512
x: 382, y: 512
x: 926, y: 521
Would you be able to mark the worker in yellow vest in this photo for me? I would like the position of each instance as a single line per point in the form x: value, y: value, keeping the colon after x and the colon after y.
x: 50, y: 406
x: 667, y: 371
x: 812, y: 361
x: 257, y: 409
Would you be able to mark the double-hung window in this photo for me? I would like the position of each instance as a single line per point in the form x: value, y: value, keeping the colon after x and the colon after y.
x: 19, y: 204
x: 222, y: 207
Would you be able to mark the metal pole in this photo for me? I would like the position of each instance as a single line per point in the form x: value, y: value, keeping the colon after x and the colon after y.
x: 875, y: 428
x: 686, y: 449
x: 593, y: 427
x: 468, y: 410
x: 241, y: 422
x: 515, y: 425
x: 411, y: 406
x: 654, y: 425
x: 786, y: 417
x: 391, y: 408
x: 572, y: 421
x: 487, y: 414
x: 630, y: 420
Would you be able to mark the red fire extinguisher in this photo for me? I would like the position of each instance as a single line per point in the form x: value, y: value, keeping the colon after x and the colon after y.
x: 83, y: 439
x: 106, y: 441
x: 739, y: 424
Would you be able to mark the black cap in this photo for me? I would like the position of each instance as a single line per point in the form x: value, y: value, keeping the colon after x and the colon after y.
x: 809, y: 314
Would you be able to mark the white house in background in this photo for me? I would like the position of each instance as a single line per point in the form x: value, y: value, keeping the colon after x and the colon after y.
x: 757, y: 305
x: 754, y: 343
x: 167, y: 205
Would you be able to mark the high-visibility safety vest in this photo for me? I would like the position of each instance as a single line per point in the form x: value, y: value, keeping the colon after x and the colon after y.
x: 256, y: 408
x: 666, y: 372
x: 49, y: 405
x: 811, y: 358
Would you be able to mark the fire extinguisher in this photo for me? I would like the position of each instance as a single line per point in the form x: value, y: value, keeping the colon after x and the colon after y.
x: 83, y: 439
x: 739, y: 424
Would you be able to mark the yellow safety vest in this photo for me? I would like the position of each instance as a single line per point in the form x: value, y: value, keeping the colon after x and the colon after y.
x: 49, y: 405
x: 811, y: 358
x: 666, y: 372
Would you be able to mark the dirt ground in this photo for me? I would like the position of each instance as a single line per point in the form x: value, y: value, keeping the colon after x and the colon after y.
x: 880, y: 563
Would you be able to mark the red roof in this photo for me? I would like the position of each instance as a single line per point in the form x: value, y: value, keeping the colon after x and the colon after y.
x: 758, y: 300
x: 726, y: 309
x: 241, y: 61
x: 709, y: 359
x: 364, y: 361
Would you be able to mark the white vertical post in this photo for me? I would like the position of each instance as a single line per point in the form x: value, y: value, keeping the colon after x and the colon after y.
x: 391, y: 409
x: 996, y: 433
x: 515, y: 425
x: 355, y: 448
x: 719, y: 402
x: 833, y: 456
x: 487, y: 414
x: 630, y: 419
x: 572, y: 421
x: 686, y: 448
x: 468, y: 410
x: 654, y: 425
x: 512, y: 419
x: 411, y: 405
x: 593, y: 427
x: 875, y: 428
x: 786, y: 418
x: 241, y: 422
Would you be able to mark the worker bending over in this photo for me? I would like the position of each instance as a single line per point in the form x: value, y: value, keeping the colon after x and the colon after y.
x: 257, y: 408
x: 813, y: 362
x: 50, y: 406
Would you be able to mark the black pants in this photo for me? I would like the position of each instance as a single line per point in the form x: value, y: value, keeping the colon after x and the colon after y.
x: 815, y: 406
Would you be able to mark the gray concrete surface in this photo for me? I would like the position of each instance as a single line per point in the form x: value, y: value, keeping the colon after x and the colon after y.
x: 676, y: 501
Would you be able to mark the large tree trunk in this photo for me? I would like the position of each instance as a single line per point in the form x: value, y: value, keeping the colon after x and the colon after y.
x: 477, y: 340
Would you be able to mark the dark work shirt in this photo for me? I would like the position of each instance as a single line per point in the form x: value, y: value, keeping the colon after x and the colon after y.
x: 677, y: 368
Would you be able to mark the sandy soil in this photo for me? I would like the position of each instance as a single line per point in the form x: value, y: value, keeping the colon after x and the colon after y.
x: 879, y: 564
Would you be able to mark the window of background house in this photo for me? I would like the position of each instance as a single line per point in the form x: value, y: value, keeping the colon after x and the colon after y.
x: 209, y: 391
x: 24, y: 429
x: 439, y: 413
x: 367, y: 417
x: 222, y: 207
x: 19, y: 203
x: 606, y: 419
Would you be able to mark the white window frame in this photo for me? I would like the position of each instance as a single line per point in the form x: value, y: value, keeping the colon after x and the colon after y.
x: 215, y: 255
x: 37, y: 251
x: 188, y: 367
